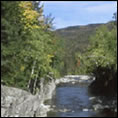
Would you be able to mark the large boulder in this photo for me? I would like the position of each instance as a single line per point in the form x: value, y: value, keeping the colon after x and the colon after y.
x: 16, y: 102
x: 19, y: 103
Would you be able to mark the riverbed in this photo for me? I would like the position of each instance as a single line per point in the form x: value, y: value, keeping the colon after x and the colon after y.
x: 73, y: 99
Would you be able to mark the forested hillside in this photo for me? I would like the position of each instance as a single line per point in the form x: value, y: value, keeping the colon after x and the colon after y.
x: 76, y: 39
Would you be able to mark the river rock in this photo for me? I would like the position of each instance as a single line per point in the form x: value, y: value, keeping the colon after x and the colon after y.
x: 115, y: 110
x: 100, y: 101
x: 85, y: 109
x: 97, y: 107
x: 74, y: 79
x: 20, y: 103
x: 92, y: 98
x: 64, y: 110
x: 73, y: 82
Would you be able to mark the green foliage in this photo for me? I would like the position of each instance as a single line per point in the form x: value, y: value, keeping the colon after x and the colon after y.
x: 102, y: 51
x: 104, y: 47
x: 75, y: 39
x: 29, y: 50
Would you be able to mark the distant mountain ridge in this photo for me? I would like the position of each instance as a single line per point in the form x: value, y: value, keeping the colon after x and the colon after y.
x: 76, y: 39
x: 80, y: 34
x: 77, y: 35
x: 79, y: 26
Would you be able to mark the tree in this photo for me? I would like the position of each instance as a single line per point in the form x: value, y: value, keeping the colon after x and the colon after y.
x: 27, y: 50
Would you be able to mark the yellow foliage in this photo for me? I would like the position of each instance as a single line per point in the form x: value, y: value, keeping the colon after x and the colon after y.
x: 29, y: 17
x: 35, y: 26
x: 25, y: 4
x: 50, y: 57
x: 22, y: 68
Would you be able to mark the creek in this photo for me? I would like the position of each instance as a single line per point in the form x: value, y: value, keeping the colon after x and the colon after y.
x: 73, y: 99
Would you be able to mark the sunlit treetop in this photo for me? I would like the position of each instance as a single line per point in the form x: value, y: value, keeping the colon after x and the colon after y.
x: 29, y: 16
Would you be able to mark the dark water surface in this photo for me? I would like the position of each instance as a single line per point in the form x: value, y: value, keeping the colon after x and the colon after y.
x: 72, y: 100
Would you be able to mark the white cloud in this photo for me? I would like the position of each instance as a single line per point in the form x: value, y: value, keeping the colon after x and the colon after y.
x: 103, y: 8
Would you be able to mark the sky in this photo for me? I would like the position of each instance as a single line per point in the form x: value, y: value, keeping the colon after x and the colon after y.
x: 71, y: 13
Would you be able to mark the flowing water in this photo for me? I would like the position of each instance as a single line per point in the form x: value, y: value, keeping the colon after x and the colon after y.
x: 75, y: 100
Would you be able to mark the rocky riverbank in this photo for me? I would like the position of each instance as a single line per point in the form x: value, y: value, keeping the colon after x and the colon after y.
x: 19, y: 103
